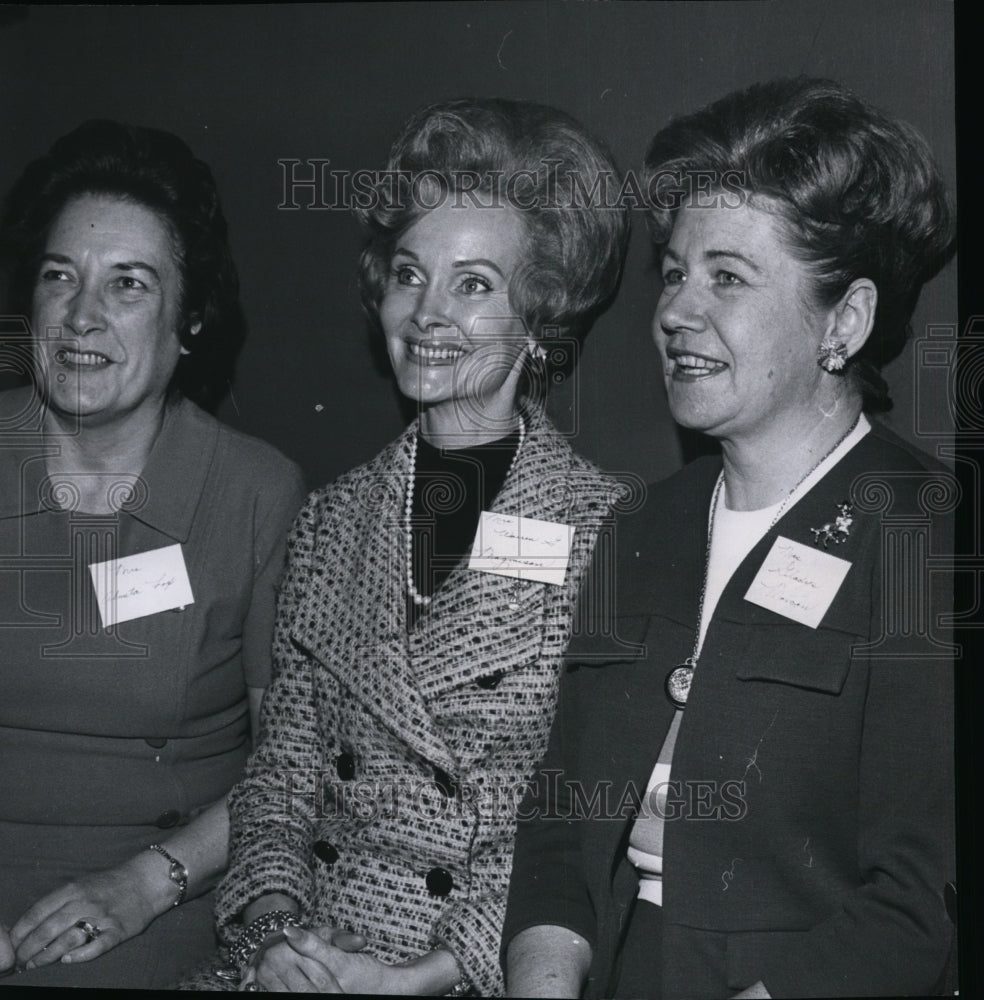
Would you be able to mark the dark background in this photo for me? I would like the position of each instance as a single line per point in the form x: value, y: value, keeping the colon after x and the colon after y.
x: 248, y: 85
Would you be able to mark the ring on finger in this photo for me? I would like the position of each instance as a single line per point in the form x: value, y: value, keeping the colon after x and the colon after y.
x: 91, y: 931
x: 251, y: 987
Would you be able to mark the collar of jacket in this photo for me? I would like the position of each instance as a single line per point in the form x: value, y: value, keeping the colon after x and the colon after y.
x: 170, y: 487
x: 467, y: 627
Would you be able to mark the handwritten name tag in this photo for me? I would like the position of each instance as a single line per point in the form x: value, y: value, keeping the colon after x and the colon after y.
x: 797, y: 581
x: 522, y: 547
x: 141, y: 585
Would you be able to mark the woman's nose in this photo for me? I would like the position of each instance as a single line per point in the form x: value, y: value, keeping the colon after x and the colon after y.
x: 86, y: 311
x: 432, y: 309
x: 681, y: 308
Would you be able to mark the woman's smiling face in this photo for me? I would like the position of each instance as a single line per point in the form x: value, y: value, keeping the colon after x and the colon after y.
x: 106, y: 309
x: 735, y: 329
x: 452, y: 336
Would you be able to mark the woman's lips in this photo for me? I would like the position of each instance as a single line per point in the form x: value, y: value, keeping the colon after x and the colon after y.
x: 433, y: 354
x: 693, y: 367
x: 81, y: 359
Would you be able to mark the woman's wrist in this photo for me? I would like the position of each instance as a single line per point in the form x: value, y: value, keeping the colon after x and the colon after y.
x: 149, y: 874
x: 267, y: 902
x: 435, y: 973
x: 257, y: 933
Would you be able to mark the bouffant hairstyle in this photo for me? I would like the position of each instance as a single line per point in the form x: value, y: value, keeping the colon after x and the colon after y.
x: 524, y: 156
x: 858, y: 191
x: 155, y: 169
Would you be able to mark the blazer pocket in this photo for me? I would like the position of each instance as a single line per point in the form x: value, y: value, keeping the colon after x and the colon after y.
x: 814, y: 660
x: 617, y: 640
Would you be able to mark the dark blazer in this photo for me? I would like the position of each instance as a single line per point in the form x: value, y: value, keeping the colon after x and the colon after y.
x: 810, y: 835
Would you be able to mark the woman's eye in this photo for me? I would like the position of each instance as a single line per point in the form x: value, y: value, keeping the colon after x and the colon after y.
x: 128, y: 283
x: 673, y: 276
x: 472, y: 284
x: 53, y: 274
x: 405, y: 275
x: 727, y: 278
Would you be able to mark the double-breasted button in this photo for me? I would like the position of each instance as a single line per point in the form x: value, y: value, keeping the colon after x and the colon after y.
x: 447, y: 785
x: 345, y: 766
x: 490, y: 681
x: 167, y: 819
x: 439, y: 882
x: 325, y: 852
x: 156, y: 742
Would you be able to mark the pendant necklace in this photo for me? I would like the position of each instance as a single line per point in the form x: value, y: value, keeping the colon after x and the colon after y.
x: 424, y: 600
x: 680, y: 679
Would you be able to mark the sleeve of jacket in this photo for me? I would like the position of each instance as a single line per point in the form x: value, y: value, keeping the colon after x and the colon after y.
x: 547, y: 884
x: 272, y: 810
x: 891, y: 936
x: 473, y: 931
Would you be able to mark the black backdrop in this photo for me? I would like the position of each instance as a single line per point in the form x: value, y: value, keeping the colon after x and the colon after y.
x: 247, y: 86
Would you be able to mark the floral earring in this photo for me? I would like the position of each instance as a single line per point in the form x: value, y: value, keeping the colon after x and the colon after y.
x: 831, y: 354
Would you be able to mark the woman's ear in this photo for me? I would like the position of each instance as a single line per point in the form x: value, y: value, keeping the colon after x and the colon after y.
x: 854, y: 316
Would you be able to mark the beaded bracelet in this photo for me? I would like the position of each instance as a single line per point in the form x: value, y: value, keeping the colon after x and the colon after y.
x: 256, y: 932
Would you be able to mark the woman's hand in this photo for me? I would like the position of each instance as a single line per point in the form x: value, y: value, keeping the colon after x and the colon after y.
x: 113, y: 901
x: 278, y: 966
x: 329, y: 960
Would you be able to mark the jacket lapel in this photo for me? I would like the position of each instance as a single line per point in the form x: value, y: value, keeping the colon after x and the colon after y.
x: 365, y: 645
x: 488, y: 622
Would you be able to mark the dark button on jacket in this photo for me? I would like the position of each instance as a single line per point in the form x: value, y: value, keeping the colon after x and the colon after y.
x: 325, y: 852
x: 168, y: 818
x: 439, y: 882
x: 345, y: 766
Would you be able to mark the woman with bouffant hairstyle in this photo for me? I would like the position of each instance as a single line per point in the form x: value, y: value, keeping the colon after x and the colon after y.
x: 539, y: 163
x: 778, y: 718
x: 429, y: 594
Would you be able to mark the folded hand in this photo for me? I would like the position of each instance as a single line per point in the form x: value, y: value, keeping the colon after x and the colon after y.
x: 298, y: 961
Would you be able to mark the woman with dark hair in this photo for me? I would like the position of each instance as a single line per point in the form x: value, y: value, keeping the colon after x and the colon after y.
x: 142, y: 541
x: 770, y: 737
x: 429, y: 593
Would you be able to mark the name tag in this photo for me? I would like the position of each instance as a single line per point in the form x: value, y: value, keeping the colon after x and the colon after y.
x: 522, y: 547
x: 141, y: 585
x: 797, y: 581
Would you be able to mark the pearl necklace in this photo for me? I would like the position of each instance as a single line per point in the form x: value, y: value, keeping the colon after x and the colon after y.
x: 680, y: 678
x: 424, y: 600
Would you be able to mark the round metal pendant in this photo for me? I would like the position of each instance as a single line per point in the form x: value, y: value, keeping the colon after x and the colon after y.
x: 678, y: 684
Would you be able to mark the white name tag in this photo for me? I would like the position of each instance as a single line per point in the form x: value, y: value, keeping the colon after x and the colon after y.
x: 141, y: 585
x: 797, y: 581
x: 522, y: 547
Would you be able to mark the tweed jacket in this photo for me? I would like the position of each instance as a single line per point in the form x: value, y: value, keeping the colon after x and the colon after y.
x: 383, y: 791
x: 809, y: 821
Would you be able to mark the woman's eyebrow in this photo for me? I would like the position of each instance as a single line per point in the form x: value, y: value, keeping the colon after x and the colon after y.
x: 734, y: 254
x: 136, y: 265
x: 483, y: 261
